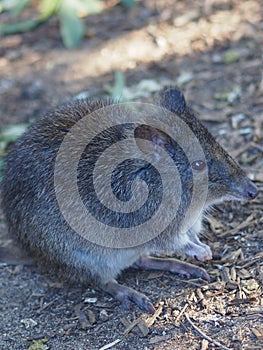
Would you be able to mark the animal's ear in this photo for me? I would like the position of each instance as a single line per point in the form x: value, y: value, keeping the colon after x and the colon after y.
x: 173, y: 99
x: 159, y: 140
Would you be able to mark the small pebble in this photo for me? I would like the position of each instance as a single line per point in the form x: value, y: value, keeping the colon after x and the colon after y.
x: 104, y: 315
x: 90, y: 300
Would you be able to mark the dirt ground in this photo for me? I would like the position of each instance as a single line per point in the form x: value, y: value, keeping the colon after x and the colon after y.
x: 213, y: 51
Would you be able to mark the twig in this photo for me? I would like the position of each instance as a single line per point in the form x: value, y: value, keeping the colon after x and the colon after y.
x: 180, y: 314
x: 131, y: 326
x: 239, y: 227
x: 204, y: 345
x: 140, y: 323
x: 206, y: 336
x: 189, y: 282
x: 150, y: 321
x: 110, y: 345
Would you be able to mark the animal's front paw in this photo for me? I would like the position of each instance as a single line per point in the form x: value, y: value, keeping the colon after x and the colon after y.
x: 198, y: 251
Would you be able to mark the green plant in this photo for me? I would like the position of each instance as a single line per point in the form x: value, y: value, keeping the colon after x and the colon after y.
x: 68, y: 11
x: 7, y: 136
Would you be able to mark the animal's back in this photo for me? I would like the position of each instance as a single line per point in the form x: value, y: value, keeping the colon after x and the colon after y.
x: 29, y: 199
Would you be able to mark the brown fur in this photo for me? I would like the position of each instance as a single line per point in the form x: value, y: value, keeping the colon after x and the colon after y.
x: 33, y: 215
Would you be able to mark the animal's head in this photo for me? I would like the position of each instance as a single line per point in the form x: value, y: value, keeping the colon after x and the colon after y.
x: 226, y: 180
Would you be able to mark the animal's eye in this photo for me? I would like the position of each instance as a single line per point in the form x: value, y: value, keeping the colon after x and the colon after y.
x: 198, y: 164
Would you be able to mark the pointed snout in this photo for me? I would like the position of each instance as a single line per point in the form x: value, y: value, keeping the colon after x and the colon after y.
x: 252, y: 190
x: 245, y: 189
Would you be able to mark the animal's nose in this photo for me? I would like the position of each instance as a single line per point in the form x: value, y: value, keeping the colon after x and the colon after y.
x: 252, y: 191
x: 244, y: 188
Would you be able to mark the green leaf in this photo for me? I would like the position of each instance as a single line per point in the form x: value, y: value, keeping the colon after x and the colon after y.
x: 7, y: 5
x: 19, y: 6
x: 48, y: 8
x: 39, y: 345
x: 71, y: 27
x: 143, y: 89
x: 231, y: 56
x: 128, y: 3
x: 88, y: 6
x: 6, y: 29
x: 116, y: 90
x: 229, y: 96
x: 11, y: 133
x: 184, y: 78
x: 8, y: 135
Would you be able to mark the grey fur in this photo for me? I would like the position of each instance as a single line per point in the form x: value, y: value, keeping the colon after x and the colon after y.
x: 32, y: 213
